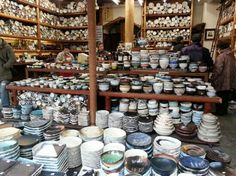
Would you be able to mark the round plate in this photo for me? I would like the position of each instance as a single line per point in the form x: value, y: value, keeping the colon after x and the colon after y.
x: 194, y: 163
x: 139, y: 139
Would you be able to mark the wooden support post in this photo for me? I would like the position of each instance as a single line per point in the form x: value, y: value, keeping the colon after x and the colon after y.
x: 207, y: 107
x: 129, y: 21
x: 92, y: 60
x: 108, y: 103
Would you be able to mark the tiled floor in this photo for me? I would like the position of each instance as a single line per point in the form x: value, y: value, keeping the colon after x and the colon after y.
x: 228, y: 141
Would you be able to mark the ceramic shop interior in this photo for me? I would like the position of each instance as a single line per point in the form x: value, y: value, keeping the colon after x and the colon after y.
x: 138, y: 108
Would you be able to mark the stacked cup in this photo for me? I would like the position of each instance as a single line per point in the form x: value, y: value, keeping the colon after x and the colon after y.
x: 102, y: 118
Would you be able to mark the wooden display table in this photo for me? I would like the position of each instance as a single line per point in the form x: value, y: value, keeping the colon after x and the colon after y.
x: 15, y: 89
x: 168, y: 97
x: 170, y: 72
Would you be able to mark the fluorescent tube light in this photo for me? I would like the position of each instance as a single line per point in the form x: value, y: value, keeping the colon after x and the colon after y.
x: 117, y: 2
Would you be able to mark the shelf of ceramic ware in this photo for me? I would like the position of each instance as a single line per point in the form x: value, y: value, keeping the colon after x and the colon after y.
x: 171, y: 72
x: 20, y: 37
x: 64, y: 27
x: 65, y: 41
x: 170, y: 97
x: 57, y: 51
x: 2, y: 15
x: 166, y: 28
x: 166, y: 15
x: 15, y: 89
x: 23, y: 63
x: 25, y: 50
x: 27, y: 3
x: 228, y: 20
x: 62, y: 14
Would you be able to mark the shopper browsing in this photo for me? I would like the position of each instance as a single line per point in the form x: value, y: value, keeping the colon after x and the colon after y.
x: 178, y: 45
x: 7, y: 59
x: 101, y: 52
x: 197, y: 53
x: 65, y: 57
x: 224, y: 75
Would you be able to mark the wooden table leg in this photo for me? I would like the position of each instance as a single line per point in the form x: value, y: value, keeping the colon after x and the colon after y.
x: 208, y: 107
x: 26, y: 73
x: 14, y: 97
x: 108, y: 103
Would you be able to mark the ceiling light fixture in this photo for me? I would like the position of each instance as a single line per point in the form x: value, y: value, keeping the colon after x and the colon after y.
x: 140, y: 2
x: 117, y: 2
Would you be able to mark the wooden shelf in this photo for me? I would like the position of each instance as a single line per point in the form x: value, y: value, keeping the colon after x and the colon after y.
x: 168, y: 40
x: 61, y: 14
x: 167, y: 15
x: 73, y: 14
x: 49, y: 70
x: 17, y: 18
x: 25, y: 50
x: 166, y: 28
x: 226, y: 21
x: 64, y: 27
x: 20, y: 37
x: 27, y: 3
x: 15, y: 89
x: 23, y: 63
x: 48, y: 11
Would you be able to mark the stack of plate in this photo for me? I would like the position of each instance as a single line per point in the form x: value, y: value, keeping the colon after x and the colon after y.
x: 36, y: 127
x: 194, y: 165
x: 9, y: 149
x: 53, y: 133
x: 73, y: 119
x: 136, y: 162
x: 25, y: 111
x: 16, y: 112
x: 166, y: 145
x: 91, y: 133
x: 114, y: 135
x: 115, y: 119
x: 83, y: 118
x: 186, y: 131
x: 26, y: 143
x: 163, y: 164
x: 48, y: 113
x: 192, y: 150
x: 9, y: 133
x: 209, y: 129
x: 7, y: 112
x: 17, y: 168
x: 52, y: 155
x: 102, y: 118
x: 163, y: 125
x: 145, y: 125
x: 36, y: 115
x: 91, y: 154
x: 112, y: 162
x: 218, y: 156
x: 140, y: 141
x: 73, y: 147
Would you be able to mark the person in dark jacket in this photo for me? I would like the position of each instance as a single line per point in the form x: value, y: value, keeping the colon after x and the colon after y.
x: 224, y: 75
x: 197, y: 53
x: 178, y: 44
x: 7, y: 59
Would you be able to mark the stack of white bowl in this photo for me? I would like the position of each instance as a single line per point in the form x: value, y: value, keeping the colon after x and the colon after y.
x: 152, y: 107
x: 70, y: 133
x: 83, y: 118
x: 102, y: 118
x: 73, y: 147
x: 209, y: 129
x: 48, y: 112
x: 167, y: 145
x: 186, y: 112
x: 164, y: 107
x: 174, y: 112
x: 114, y: 135
x: 91, y: 133
x: 115, y: 120
x: 9, y: 133
x: 163, y: 125
x: 91, y: 154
